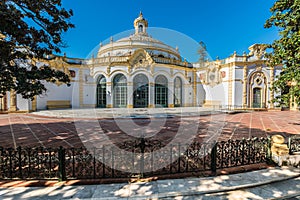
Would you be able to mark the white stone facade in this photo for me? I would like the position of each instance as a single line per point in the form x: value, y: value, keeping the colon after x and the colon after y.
x: 141, y: 72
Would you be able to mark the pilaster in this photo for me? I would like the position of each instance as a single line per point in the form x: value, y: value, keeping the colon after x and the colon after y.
x: 271, y: 84
x: 13, y: 101
x: 171, y: 95
x: 129, y: 94
x: 109, y: 103
x: 194, y: 88
x: 151, y: 95
x: 81, y: 81
x: 3, y: 103
x: 34, y: 104
x: 245, y: 72
x: 230, y: 81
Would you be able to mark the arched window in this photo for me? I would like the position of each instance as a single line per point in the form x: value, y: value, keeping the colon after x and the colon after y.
x: 101, y: 92
x: 161, y: 91
x: 140, y: 91
x: 120, y: 91
x: 141, y: 28
x: 177, y: 92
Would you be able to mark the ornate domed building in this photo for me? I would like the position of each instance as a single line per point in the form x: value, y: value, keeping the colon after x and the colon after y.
x: 139, y: 71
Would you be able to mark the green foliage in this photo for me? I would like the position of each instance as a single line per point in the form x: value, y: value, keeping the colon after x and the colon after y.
x: 29, y: 30
x: 202, y: 51
x: 286, y: 50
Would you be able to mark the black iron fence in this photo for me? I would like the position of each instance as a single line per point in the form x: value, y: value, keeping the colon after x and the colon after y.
x: 294, y: 144
x: 141, y: 157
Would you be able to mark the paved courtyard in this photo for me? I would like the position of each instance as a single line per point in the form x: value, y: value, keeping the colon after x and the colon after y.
x: 30, y: 130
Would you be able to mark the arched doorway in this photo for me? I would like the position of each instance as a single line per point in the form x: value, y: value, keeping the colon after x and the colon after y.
x: 257, y: 98
x: 161, y: 91
x: 140, y: 91
x: 120, y: 91
x: 101, y: 92
x: 257, y: 91
x: 177, y: 92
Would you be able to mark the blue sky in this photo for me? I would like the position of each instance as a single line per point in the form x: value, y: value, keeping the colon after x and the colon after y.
x: 224, y: 26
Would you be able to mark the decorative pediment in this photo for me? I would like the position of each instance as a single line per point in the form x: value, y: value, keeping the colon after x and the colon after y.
x: 212, y: 76
x: 140, y: 59
x: 257, y: 79
x: 59, y: 64
x: 257, y: 50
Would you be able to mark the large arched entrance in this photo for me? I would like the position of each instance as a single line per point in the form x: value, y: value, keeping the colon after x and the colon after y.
x: 140, y: 91
x: 120, y: 91
x: 161, y: 91
x: 101, y: 92
x: 257, y: 90
x: 177, y: 92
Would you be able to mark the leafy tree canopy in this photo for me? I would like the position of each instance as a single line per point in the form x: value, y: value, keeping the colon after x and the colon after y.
x: 286, y: 50
x: 202, y: 51
x: 30, y: 30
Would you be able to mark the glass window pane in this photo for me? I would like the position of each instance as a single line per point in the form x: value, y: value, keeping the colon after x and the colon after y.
x: 120, y: 91
x: 101, y: 92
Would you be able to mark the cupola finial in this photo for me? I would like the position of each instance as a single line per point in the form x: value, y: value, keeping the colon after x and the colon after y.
x: 140, y: 25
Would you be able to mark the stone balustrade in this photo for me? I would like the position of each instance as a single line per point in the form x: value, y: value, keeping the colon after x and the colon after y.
x: 124, y: 59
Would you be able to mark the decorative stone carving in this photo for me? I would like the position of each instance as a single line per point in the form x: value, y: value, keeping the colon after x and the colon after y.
x: 223, y: 74
x: 257, y: 79
x: 213, y: 75
x: 257, y: 50
x: 279, y: 149
x: 72, y: 73
x: 129, y: 69
x: 202, y: 77
x: 59, y: 63
x: 140, y: 59
x: 171, y: 72
x: 108, y: 70
x: 259, y: 68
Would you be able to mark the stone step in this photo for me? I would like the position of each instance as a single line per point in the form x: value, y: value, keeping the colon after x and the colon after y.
x: 253, y: 185
x: 275, y: 190
x: 271, y: 183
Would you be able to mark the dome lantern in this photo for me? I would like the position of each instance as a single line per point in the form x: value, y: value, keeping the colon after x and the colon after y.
x: 140, y: 25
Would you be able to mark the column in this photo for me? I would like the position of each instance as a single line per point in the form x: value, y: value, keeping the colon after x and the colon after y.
x: 293, y: 103
x: 34, y: 104
x: 230, y: 82
x: 187, y: 95
x: 109, y: 95
x: 245, y: 86
x: 81, y: 82
x: 171, y: 95
x: 194, y: 88
x: 130, y: 95
x: 151, y: 95
x: 271, y: 84
x: 13, y: 101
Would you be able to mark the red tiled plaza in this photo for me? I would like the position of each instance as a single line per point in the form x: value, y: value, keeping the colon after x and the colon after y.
x: 28, y: 130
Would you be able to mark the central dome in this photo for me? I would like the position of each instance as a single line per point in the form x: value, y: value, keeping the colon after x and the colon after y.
x: 139, y: 40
